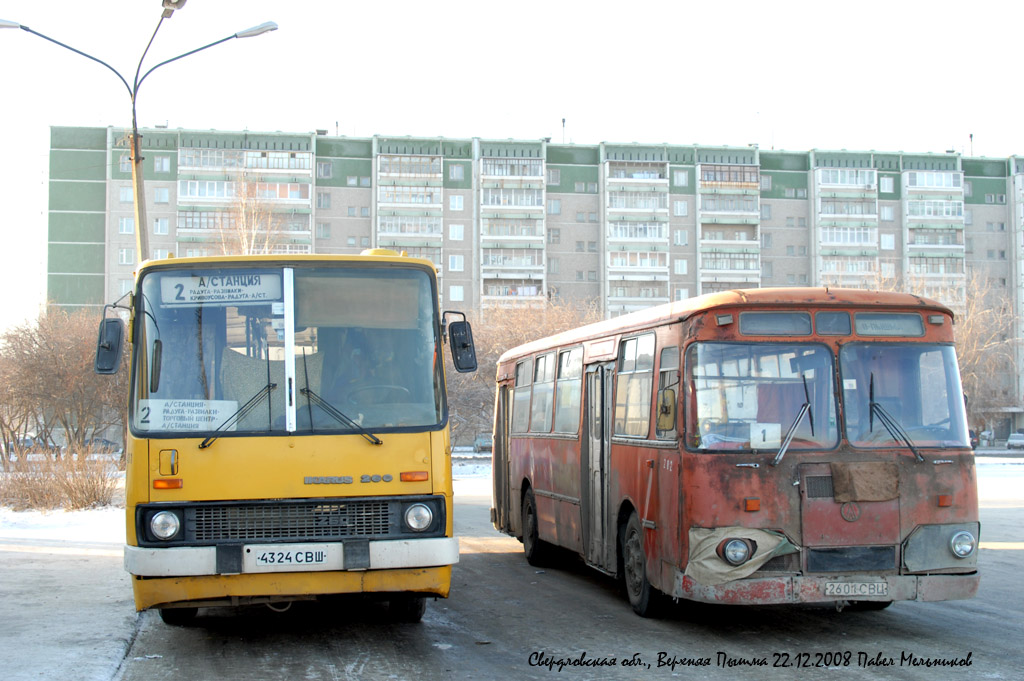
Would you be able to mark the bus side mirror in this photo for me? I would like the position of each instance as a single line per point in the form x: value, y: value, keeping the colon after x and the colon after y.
x: 463, y: 352
x: 666, y: 410
x: 109, y: 346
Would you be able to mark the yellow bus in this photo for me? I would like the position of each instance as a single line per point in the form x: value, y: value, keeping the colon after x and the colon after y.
x: 288, y: 431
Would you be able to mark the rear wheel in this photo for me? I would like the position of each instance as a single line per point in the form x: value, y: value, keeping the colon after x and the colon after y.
x: 537, y: 550
x: 178, y: 617
x: 644, y: 598
x: 868, y: 606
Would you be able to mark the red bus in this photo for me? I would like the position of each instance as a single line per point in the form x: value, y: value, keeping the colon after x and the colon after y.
x: 759, y: 446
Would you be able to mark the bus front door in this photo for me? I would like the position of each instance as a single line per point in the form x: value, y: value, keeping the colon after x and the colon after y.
x: 500, y: 513
x: 598, y: 530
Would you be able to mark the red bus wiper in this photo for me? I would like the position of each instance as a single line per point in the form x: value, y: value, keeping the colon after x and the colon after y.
x: 896, y: 431
x: 805, y: 408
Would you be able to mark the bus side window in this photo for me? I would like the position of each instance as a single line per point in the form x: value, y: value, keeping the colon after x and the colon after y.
x: 668, y: 396
x: 521, y: 396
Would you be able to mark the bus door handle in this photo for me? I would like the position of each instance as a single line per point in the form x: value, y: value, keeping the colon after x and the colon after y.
x: 649, y: 524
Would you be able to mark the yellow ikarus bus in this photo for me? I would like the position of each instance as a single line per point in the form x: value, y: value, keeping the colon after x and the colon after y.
x: 288, y: 431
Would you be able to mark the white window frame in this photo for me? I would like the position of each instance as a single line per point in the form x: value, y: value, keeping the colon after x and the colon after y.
x: 455, y: 202
x: 456, y: 232
x: 456, y: 263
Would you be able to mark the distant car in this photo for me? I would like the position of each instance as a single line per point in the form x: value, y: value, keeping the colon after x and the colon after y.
x: 1015, y: 441
x: 102, y: 448
x: 483, y: 443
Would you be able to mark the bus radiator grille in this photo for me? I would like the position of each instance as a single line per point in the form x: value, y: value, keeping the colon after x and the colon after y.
x: 819, y: 486
x: 269, y: 522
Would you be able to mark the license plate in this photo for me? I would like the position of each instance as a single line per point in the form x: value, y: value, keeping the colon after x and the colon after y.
x: 292, y: 557
x: 857, y: 589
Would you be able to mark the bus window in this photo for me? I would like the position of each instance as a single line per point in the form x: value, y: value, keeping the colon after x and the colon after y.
x: 568, y: 388
x: 521, y: 397
x: 748, y: 395
x: 668, y: 394
x: 633, y: 386
x: 916, y: 386
x: 832, y: 323
x: 543, y: 392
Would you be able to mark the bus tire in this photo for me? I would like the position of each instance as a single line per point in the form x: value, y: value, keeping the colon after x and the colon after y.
x: 642, y: 596
x: 178, y: 617
x: 406, y: 608
x: 868, y: 606
x: 537, y: 550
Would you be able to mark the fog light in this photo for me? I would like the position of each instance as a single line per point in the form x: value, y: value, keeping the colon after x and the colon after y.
x: 164, y: 525
x: 962, y: 544
x: 736, y: 551
x: 418, y: 517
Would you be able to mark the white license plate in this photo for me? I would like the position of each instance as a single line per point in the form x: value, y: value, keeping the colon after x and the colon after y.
x: 857, y: 589
x: 291, y: 557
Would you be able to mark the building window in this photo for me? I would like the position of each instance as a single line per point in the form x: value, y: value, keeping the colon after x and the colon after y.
x: 353, y: 211
x: 456, y: 263
x: 790, y: 250
x: 766, y: 183
x: 886, y: 185
x: 351, y: 241
x: 352, y: 181
x: 681, y: 208
x: 552, y: 265
x: 766, y: 211
x: 364, y: 241
x: 790, y: 193
x: 968, y: 189
x: 682, y: 293
x: 162, y: 164
x: 592, y: 217
x: 886, y: 213
x: 801, y: 222
x: 457, y: 173
x: 790, y: 221
x: 554, y: 176
x: 581, y: 217
x: 161, y: 225
x: 680, y: 266
x: 580, y: 246
x: 455, y: 202
x: 126, y: 256
x: 125, y: 285
x: 766, y: 240
x: 766, y: 269
x: 364, y: 181
x: 126, y: 225
x: 456, y: 232
x: 888, y: 241
x: 323, y: 230
x: 364, y: 211
x: 554, y: 206
x: 591, y: 275
x: 680, y: 178
x: 680, y: 237
x: 324, y: 169
x: 125, y: 164
x: 592, y: 188
x: 592, y: 247
x: 126, y: 195
x: 580, y: 187
x: 554, y: 235
x: 801, y: 193
x: 968, y: 217
x: 161, y: 195
x: 160, y: 253
x: 323, y: 200
x: 456, y: 293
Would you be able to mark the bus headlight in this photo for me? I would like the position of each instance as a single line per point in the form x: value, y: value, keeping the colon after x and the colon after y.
x: 962, y: 544
x: 164, y: 525
x: 418, y: 517
x: 736, y: 551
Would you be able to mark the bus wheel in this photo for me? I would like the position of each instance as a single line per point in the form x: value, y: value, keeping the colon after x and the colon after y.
x: 178, y: 617
x: 406, y: 608
x: 537, y: 550
x: 868, y: 606
x: 642, y: 596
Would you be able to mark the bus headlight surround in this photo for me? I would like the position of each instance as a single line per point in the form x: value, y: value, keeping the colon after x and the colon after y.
x: 164, y: 525
x: 735, y: 551
x: 418, y: 517
x: 962, y: 544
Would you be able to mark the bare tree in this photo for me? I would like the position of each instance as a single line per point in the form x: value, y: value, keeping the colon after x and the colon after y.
x: 250, y: 226
x: 49, y: 382
x: 496, y: 330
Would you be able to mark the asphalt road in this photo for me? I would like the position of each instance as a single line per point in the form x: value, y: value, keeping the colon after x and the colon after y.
x: 508, y: 620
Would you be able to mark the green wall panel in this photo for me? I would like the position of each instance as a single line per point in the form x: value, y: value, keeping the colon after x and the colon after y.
x: 784, y: 161
x: 783, y: 180
x: 569, y: 175
x: 467, y: 175
x: 985, y: 168
x: 573, y: 155
x: 78, y: 164
x: 76, y: 258
x: 78, y: 196
x: 77, y: 227
x: 980, y: 186
x: 65, y: 289
x: 77, y: 138
x: 341, y: 148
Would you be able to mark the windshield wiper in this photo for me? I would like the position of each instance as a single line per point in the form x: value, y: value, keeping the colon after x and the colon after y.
x: 238, y: 415
x: 896, y: 431
x: 805, y: 408
x: 339, y: 417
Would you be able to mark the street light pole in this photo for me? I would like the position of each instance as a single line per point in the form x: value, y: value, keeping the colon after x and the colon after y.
x: 141, y: 233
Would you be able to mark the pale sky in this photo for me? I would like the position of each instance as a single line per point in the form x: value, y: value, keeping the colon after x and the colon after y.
x: 893, y: 76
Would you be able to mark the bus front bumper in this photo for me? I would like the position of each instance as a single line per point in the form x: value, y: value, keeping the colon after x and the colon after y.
x: 192, y: 561
x: 788, y: 589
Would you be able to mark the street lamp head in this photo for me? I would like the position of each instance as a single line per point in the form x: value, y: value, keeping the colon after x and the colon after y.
x: 265, y: 27
x: 14, y: 24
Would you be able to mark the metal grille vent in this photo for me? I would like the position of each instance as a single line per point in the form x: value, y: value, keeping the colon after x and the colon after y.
x: 819, y: 486
x: 289, y: 521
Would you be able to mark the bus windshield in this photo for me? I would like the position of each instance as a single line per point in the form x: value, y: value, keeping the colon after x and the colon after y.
x: 914, y: 386
x: 277, y: 349
x: 748, y: 396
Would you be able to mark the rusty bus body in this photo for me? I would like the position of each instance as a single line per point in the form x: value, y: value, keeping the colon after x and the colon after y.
x: 747, y: 447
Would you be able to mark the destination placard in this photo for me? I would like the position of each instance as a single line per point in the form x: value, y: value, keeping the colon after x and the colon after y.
x: 234, y: 288
x: 184, y: 415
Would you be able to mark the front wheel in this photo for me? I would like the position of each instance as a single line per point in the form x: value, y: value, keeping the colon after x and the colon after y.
x: 537, y: 550
x: 178, y: 617
x: 642, y: 596
x: 406, y: 608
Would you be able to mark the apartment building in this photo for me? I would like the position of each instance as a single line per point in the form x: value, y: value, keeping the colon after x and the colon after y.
x: 513, y: 222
